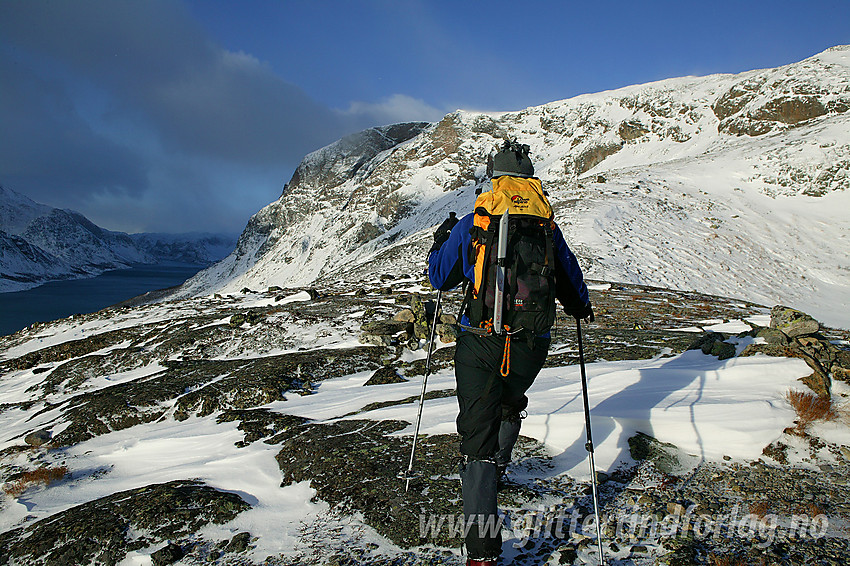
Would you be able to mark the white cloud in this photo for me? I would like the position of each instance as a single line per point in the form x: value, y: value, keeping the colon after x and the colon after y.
x: 394, y: 109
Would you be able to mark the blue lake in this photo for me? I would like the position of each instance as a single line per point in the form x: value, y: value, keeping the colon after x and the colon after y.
x: 59, y: 299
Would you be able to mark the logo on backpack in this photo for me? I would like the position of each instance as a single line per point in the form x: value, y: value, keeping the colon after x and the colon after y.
x: 518, y: 200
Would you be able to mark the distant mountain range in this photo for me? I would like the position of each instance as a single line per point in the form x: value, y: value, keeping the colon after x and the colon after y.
x: 39, y: 243
x: 734, y: 185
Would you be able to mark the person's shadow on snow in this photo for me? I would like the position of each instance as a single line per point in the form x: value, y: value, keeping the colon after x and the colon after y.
x: 679, y: 381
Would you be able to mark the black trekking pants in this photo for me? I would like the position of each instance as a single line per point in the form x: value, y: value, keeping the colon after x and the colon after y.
x: 485, y: 398
x: 488, y: 424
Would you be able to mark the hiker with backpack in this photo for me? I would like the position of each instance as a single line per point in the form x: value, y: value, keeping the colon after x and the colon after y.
x: 515, y: 263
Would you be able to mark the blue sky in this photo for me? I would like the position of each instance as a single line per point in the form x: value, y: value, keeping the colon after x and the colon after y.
x: 173, y: 116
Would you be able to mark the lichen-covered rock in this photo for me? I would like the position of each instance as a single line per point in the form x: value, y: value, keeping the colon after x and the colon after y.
x: 382, y: 340
x: 723, y: 350
x: 202, y: 387
x: 792, y: 322
x: 447, y: 333
x: 713, y: 344
x: 421, y: 323
x: 239, y: 543
x: 105, y: 530
x: 772, y: 336
x: 666, y: 457
x: 261, y: 424
x: 383, y: 327
x: 38, y: 438
x: 405, y: 315
x: 356, y: 464
x: 169, y: 554
x: 705, y: 341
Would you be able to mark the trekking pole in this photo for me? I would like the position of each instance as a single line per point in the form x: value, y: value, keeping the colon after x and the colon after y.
x: 422, y: 395
x: 589, y: 444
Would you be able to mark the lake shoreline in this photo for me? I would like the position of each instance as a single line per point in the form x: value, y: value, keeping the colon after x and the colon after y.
x: 59, y: 299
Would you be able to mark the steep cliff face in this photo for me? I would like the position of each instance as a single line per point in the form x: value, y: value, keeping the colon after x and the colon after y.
x: 774, y: 100
x: 658, y: 184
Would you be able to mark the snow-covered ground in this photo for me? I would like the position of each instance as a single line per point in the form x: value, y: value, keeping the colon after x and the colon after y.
x: 710, y: 409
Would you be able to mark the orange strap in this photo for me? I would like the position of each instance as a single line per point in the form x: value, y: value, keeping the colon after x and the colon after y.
x: 506, y: 357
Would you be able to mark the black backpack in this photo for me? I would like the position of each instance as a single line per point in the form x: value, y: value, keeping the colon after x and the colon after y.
x: 528, y: 268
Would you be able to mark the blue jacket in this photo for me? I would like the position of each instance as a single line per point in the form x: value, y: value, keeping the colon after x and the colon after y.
x: 448, y: 266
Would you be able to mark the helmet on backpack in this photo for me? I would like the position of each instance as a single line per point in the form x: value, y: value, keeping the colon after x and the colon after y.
x: 512, y: 159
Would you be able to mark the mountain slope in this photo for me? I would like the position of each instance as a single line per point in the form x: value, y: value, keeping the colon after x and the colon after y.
x: 728, y: 184
x: 40, y: 243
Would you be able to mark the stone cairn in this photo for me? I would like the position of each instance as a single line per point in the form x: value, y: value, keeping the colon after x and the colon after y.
x: 410, y: 326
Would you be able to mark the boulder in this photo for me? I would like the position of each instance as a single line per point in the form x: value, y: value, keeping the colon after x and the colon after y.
x: 421, y: 325
x: 383, y: 327
x: 239, y: 543
x: 772, y: 336
x: 448, y: 318
x: 666, y: 457
x: 405, y: 315
x: 706, y: 341
x: 713, y: 344
x: 842, y: 360
x: 38, y: 438
x: 447, y: 333
x: 792, y: 322
x: 818, y: 381
x: 723, y: 350
x: 376, y: 339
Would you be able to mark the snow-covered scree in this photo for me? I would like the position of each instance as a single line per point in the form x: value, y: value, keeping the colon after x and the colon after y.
x: 210, y: 392
x: 728, y: 184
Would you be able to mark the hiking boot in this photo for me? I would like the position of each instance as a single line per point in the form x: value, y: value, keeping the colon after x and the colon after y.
x: 471, y: 562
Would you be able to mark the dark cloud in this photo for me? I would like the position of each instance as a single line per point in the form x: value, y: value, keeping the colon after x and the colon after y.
x: 153, y: 59
x: 47, y: 146
x: 113, y: 105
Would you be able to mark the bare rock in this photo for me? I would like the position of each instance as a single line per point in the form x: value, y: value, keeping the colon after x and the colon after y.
x: 384, y: 376
x: 405, y: 315
x: 383, y: 327
x: 38, y: 438
x: 772, y: 336
x: 792, y: 322
x: 666, y: 457
x: 96, y: 532
x: 169, y: 554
